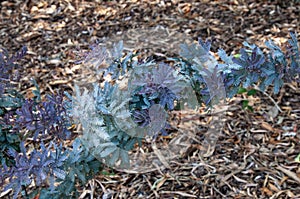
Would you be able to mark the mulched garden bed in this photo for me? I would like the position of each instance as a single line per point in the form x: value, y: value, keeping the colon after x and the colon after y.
x: 255, y: 155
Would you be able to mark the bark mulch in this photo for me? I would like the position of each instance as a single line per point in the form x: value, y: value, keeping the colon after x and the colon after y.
x: 254, y: 157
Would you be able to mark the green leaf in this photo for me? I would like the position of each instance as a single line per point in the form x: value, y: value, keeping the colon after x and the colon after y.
x: 297, y: 159
x: 270, y: 79
x: 146, y: 101
x: 237, y: 55
x: 242, y: 90
x: 95, y: 165
x: 69, y: 187
x: 108, y: 144
x: 107, y: 151
x: 245, y: 104
x: 124, y: 158
x: 251, y: 92
x: 112, y: 160
x: 130, y: 144
x: 277, y: 85
x: 59, y: 173
x: 12, y: 138
x: 10, y: 102
x: 250, y: 108
x: 80, y: 174
x: 72, y: 175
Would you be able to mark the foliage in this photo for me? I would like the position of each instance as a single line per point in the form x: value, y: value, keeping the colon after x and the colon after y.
x: 25, y: 118
x: 79, y: 167
x: 51, y: 165
x: 36, y: 166
x: 151, y: 83
x: 117, y: 114
x: 96, y: 111
x: 48, y: 117
x: 10, y: 101
x: 159, y: 84
x: 251, y: 67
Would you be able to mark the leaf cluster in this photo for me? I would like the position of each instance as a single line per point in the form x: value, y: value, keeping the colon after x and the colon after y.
x: 78, y: 167
x: 51, y: 165
x: 44, y: 118
x: 97, y: 112
x: 252, y: 66
x: 37, y: 166
x: 118, y: 114
x: 114, y: 119
x: 10, y: 101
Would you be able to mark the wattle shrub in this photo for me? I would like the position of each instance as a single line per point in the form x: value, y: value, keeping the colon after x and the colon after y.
x: 117, y: 114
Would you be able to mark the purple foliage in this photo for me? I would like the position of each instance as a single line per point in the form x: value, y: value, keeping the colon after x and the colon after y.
x: 38, y: 166
x: 141, y: 117
x: 45, y: 118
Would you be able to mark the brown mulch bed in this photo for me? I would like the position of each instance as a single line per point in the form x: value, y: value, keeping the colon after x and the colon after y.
x: 255, y: 155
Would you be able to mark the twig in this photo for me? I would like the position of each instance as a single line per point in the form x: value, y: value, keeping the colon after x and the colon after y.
x: 266, y: 94
x: 289, y: 173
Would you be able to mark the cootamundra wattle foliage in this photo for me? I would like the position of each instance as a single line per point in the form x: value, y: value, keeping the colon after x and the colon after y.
x: 57, y: 169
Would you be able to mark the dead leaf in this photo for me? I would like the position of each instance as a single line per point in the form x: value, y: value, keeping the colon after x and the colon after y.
x: 273, y: 187
x: 267, y: 191
x: 267, y: 126
x: 289, y: 173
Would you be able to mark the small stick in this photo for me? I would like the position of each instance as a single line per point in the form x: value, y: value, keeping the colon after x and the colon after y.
x: 266, y: 94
